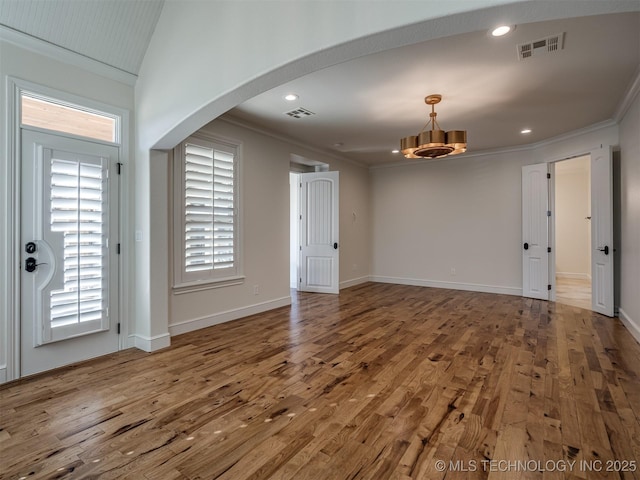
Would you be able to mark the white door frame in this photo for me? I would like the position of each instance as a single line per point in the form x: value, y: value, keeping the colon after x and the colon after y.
x: 552, y: 226
x: 12, y: 224
x: 324, y: 250
x: 43, y: 346
x: 535, y: 231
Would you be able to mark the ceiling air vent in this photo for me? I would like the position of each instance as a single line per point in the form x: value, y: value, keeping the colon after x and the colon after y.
x: 299, y: 113
x: 550, y: 44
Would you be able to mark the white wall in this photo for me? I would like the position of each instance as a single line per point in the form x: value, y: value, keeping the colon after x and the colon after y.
x: 573, y: 230
x: 26, y: 65
x: 630, y: 218
x: 461, y: 213
x: 265, y: 210
x: 202, y: 61
x: 453, y: 222
x: 203, y: 39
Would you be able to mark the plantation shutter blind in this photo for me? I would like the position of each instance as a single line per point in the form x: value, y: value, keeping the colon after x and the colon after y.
x: 79, y: 218
x: 209, y: 203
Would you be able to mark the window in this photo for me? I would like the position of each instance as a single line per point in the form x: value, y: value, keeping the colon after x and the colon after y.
x: 206, y: 213
x: 50, y: 114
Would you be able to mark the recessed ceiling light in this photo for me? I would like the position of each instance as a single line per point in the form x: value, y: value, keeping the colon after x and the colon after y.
x: 291, y: 97
x: 501, y: 30
x: 395, y: 151
x: 524, y: 131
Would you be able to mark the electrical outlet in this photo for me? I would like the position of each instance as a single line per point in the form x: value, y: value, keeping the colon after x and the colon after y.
x: 256, y: 289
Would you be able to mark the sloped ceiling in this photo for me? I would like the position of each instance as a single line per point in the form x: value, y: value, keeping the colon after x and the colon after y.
x: 363, y: 107
x: 113, y: 32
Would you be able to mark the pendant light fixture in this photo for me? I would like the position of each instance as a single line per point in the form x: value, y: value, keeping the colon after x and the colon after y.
x: 434, y: 143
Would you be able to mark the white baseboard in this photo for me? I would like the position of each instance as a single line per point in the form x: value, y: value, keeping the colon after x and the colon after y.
x: 354, y: 281
x: 633, y: 327
x: 151, y: 344
x: 3, y: 374
x: 579, y: 276
x: 471, y: 287
x: 216, y: 318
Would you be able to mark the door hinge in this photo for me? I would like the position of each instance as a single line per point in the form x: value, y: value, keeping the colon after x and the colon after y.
x: 119, y: 165
x: 118, y: 249
x: 300, y: 247
x: 548, y: 249
x: 548, y: 287
x: 118, y: 328
x: 548, y: 213
x: 300, y: 217
x: 300, y: 279
x: 548, y: 175
x: 300, y: 184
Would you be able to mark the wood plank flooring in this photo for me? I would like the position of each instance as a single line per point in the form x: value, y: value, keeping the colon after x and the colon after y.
x: 574, y: 291
x: 380, y: 382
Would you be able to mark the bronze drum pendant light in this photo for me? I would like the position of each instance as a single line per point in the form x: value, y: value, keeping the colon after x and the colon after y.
x: 434, y: 143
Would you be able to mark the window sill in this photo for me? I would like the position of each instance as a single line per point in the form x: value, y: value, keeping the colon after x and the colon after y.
x: 208, y: 285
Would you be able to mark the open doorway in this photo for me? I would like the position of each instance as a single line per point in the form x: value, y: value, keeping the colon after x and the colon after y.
x: 573, y: 232
x: 298, y: 165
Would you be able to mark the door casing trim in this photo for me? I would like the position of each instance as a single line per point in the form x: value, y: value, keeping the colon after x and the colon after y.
x: 12, y: 224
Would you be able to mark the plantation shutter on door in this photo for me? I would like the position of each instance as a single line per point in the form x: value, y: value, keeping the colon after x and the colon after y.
x: 210, y: 233
x: 78, y: 222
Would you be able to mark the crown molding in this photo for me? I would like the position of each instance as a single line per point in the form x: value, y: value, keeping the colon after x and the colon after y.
x: 42, y: 47
x: 230, y: 119
x: 520, y: 148
x: 627, y: 101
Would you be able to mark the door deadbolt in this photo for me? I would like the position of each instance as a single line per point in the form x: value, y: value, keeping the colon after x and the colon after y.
x: 30, y: 247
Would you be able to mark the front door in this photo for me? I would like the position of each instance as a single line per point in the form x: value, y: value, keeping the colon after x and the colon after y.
x: 69, y: 286
x: 319, y: 221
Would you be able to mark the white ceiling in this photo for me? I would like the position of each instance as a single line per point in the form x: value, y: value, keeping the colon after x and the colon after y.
x: 113, y: 32
x: 369, y: 103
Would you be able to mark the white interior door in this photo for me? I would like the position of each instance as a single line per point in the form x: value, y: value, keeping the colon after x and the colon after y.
x: 69, y: 265
x: 602, y: 231
x: 535, y: 231
x: 319, y: 235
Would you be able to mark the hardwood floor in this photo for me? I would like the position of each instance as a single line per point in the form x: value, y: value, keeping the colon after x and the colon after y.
x: 379, y: 382
x: 574, y: 291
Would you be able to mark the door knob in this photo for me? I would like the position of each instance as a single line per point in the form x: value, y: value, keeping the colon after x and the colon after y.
x: 526, y: 246
x: 335, y: 245
x: 604, y: 249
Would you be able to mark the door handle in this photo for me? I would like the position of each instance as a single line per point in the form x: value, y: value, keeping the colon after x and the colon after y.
x: 604, y: 249
x: 335, y: 245
x: 526, y: 246
x: 30, y: 264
